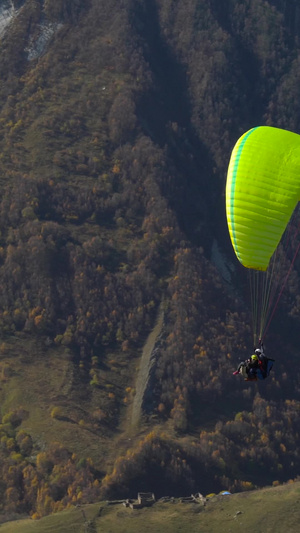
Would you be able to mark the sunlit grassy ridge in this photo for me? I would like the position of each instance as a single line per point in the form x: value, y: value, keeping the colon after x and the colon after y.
x: 263, y: 511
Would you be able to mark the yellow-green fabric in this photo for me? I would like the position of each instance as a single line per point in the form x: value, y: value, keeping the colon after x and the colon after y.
x: 262, y: 191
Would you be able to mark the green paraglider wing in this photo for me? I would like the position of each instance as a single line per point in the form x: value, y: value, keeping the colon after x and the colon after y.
x: 262, y: 191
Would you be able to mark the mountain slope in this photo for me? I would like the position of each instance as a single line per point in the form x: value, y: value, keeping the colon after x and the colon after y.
x: 117, y: 122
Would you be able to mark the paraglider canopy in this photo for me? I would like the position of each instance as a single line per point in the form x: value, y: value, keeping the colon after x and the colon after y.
x: 262, y: 191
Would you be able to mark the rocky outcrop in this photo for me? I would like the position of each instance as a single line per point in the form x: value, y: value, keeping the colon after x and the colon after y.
x: 7, y: 13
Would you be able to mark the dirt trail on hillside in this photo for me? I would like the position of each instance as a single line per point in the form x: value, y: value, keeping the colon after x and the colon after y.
x: 146, y: 363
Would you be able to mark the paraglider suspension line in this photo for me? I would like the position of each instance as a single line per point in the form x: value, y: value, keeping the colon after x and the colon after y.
x: 281, y: 291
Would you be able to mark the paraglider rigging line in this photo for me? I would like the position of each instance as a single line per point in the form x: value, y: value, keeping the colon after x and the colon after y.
x: 264, y: 285
x: 281, y: 291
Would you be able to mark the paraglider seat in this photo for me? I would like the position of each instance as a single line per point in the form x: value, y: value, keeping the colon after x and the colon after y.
x: 264, y: 371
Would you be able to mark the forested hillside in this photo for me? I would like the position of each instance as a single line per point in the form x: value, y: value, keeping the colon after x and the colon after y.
x: 117, y: 120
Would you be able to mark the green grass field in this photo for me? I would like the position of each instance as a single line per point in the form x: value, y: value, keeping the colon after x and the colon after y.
x: 270, y: 510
